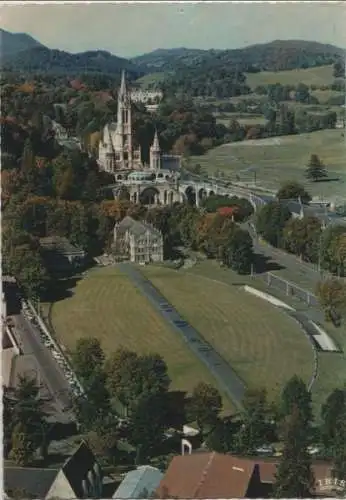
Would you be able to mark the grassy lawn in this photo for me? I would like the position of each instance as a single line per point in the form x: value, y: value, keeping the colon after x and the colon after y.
x: 282, y: 158
x: 322, y: 75
x: 106, y: 305
x: 263, y: 345
x: 332, y: 366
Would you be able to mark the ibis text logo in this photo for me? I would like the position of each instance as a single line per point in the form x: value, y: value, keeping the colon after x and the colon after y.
x: 332, y: 484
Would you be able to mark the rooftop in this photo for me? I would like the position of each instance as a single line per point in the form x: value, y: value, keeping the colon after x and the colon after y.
x: 76, y: 468
x: 214, y: 475
x: 28, y: 481
x: 139, y: 483
x: 135, y: 227
x: 60, y: 245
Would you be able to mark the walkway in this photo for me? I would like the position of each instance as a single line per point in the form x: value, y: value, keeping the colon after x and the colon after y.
x: 222, y: 371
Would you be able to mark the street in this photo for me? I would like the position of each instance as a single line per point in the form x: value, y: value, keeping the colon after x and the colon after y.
x: 50, y: 372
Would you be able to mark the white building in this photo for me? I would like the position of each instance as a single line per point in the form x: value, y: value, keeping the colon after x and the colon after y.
x: 117, y: 149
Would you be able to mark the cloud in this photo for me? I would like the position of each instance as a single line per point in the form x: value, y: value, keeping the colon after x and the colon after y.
x: 132, y: 29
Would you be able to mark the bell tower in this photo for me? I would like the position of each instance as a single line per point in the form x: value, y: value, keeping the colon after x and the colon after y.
x: 155, y: 154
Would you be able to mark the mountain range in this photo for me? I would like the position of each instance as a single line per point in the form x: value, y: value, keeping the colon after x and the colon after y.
x: 19, y: 51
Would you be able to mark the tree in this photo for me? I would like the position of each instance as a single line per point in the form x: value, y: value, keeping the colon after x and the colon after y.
x: 315, y: 170
x: 238, y: 251
x: 23, y: 445
x: 148, y: 417
x: 333, y: 249
x: 103, y: 435
x: 88, y: 357
x: 339, y: 449
x: 295, y: 394
x: 293, y: 190
x: 294, y: 478
x: 254, y: 431
x: 332, y: 297
x: 302, y: 237
x: 223, y: 435
x: 331, y: 413
x: 130, y: 377
x: 271, y: 220
x: 302, y: 93
x: 122, y: 371
x: 155, y: 379
x: 205, y: 406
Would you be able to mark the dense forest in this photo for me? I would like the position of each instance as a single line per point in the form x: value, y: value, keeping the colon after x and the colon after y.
x: 274, y: 56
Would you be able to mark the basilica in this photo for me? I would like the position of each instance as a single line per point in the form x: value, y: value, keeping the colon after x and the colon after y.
x: 117, y: 152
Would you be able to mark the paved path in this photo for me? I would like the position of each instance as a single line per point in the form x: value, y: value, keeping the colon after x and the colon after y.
x: 50, y: 371
x: 222, y: 371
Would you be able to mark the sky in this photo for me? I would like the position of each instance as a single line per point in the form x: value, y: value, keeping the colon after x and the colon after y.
x: 128, y: 30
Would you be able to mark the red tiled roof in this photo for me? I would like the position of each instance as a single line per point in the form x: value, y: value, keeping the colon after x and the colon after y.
x: 206, y: 475
x: 213, y: 475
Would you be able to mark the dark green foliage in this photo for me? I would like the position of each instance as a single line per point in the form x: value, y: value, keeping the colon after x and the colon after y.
x: 238, y: 251
x: 271, y: 220
x: 24, y: 418
x: 204, y: 406
x: 294, y: 478
x: 295, y: 394
x: 339, y: 69
x: 315, y: 170
x: 332, y: 412
x: 148, y: 422
x: 87, y: 357
x: 339, y: 448
x: 293, y: 190
x: 274, y: 56
x: 42, y: 59
x: 254, y: 431
x: 130, y: 376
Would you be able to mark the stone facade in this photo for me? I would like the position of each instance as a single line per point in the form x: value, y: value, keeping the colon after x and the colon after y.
x: 138, y: 242
x: 117, y: 149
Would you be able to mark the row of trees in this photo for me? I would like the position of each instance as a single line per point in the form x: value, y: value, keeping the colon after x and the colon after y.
x: 307, y: 238
x: 141, y: 384
x: 137, y: 387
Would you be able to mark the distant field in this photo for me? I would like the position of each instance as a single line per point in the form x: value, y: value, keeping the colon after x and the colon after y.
x: 263, y: 345
x: 242, y: 118
x: 282, y: 158
x: 146, y: 80
x: 324, y: 95
x: 322, y: 75
x: 106, y: 305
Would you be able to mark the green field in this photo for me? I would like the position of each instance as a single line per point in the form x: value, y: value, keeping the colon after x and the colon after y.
x: 263, y: 344
x: 152, y: 78
x: 319, y: 76
x: 282, y: 158
x: 242, y: 118
x: 332, y: 366
x: 106, y: 305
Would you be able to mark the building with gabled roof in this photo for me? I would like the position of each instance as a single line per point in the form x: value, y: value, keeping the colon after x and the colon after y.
x: 139, y: 483
x: 79, y: 477
x: 215, y: 475
x: 138, y: 242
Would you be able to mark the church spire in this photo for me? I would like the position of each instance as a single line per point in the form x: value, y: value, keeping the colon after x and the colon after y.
x: 156, y: 144
x: 122, y: 91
